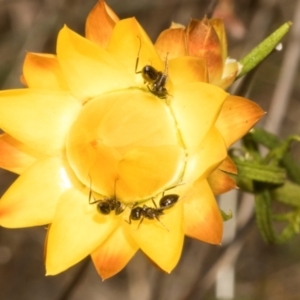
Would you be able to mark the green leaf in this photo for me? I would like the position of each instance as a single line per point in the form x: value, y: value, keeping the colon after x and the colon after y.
x: 260, y: 172
x: 225, y: 216
x: 261, y: 51
x: 265, y: 138
x: 286, y: 235
x: 271, y: 141
x: 289, y: 194
x: 276, y: 154
x: 263, y: 216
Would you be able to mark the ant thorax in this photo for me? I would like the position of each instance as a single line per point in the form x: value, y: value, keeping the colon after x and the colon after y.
x: 105, y: 205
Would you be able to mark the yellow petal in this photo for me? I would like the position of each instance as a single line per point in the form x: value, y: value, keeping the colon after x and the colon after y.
x: 31, y: 200
x: 237, y: 117
x: 15, y: 156
x: 202, y: 41
x: 171, y: 42
x: 99, y: 25
x: 161, y: 242
x: 202, y: 218
x: 187, y: 69
x: 114, y: 254
x: 211, y: 153
x: 146, y: 170
x: 38, y: 118
x: 126, y: 40
x: 76, y: 231
x: 89, y: 70
x: 196, y: 107
x: 43, y: 71
x: 220, y: 182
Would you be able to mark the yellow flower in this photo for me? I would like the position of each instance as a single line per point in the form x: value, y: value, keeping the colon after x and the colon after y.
x: 95, y: 146
x: 206, y: 41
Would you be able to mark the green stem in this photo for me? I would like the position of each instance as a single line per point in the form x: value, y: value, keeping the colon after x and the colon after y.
x: 260, y: 52
x: 271, y: 141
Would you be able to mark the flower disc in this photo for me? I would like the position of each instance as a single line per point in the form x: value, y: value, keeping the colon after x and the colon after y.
x: 125, y: 144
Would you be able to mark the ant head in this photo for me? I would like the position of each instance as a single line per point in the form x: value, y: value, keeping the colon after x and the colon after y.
x: 104, y: 207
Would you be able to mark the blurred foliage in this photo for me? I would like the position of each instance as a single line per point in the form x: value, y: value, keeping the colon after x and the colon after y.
x: 273, y: 177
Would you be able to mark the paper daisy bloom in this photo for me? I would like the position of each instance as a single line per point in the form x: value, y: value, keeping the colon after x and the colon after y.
x: 113, y: 160
x: 203, y: 39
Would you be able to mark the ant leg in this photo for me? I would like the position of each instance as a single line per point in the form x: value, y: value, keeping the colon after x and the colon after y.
x: 129, y: 221
x: 142, y: 219
x: 150, y: 90
x: 130, y: 217
x: 157, y: 218
x: 166, y: 64
x: 120, y: 209
x: 115, y: 188
x: 138, y: 57
x: 90, y: 196
x: 90, y: 193
x: 95, y: 200
x: 172, y: 187
x: 154, y: 203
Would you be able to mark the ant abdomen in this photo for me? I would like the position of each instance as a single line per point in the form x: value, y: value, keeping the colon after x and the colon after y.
x: 168, y: 201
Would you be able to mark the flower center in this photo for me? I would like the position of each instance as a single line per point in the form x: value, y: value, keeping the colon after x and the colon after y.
x: 125, y: 144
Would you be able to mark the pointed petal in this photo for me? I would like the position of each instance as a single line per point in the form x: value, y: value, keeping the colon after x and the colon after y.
x: 171, y: 42
x: 76, y: 231
x: 228, y: 166
x: 42, y: 71
x: 187, y: 69
x: 161, y: 242
x: 237, y: 117
x: 114, y: 254
x: 219, y: 28
x: 211, y: 153
x: 126, y: 40
x: 196, y: 107
x: 203, y: 42
x: 202, y: 218
x: 31, y: 200
x: 220, y: 182
x: 111, y: 12
x: 15, y: 156
x: 99, y: 25
x: 89, y: 70
x: 38, y: 118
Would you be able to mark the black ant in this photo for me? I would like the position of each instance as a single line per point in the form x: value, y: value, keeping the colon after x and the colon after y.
x: 106, y: 205
x: 151, y: 213
x: 156, y: 80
